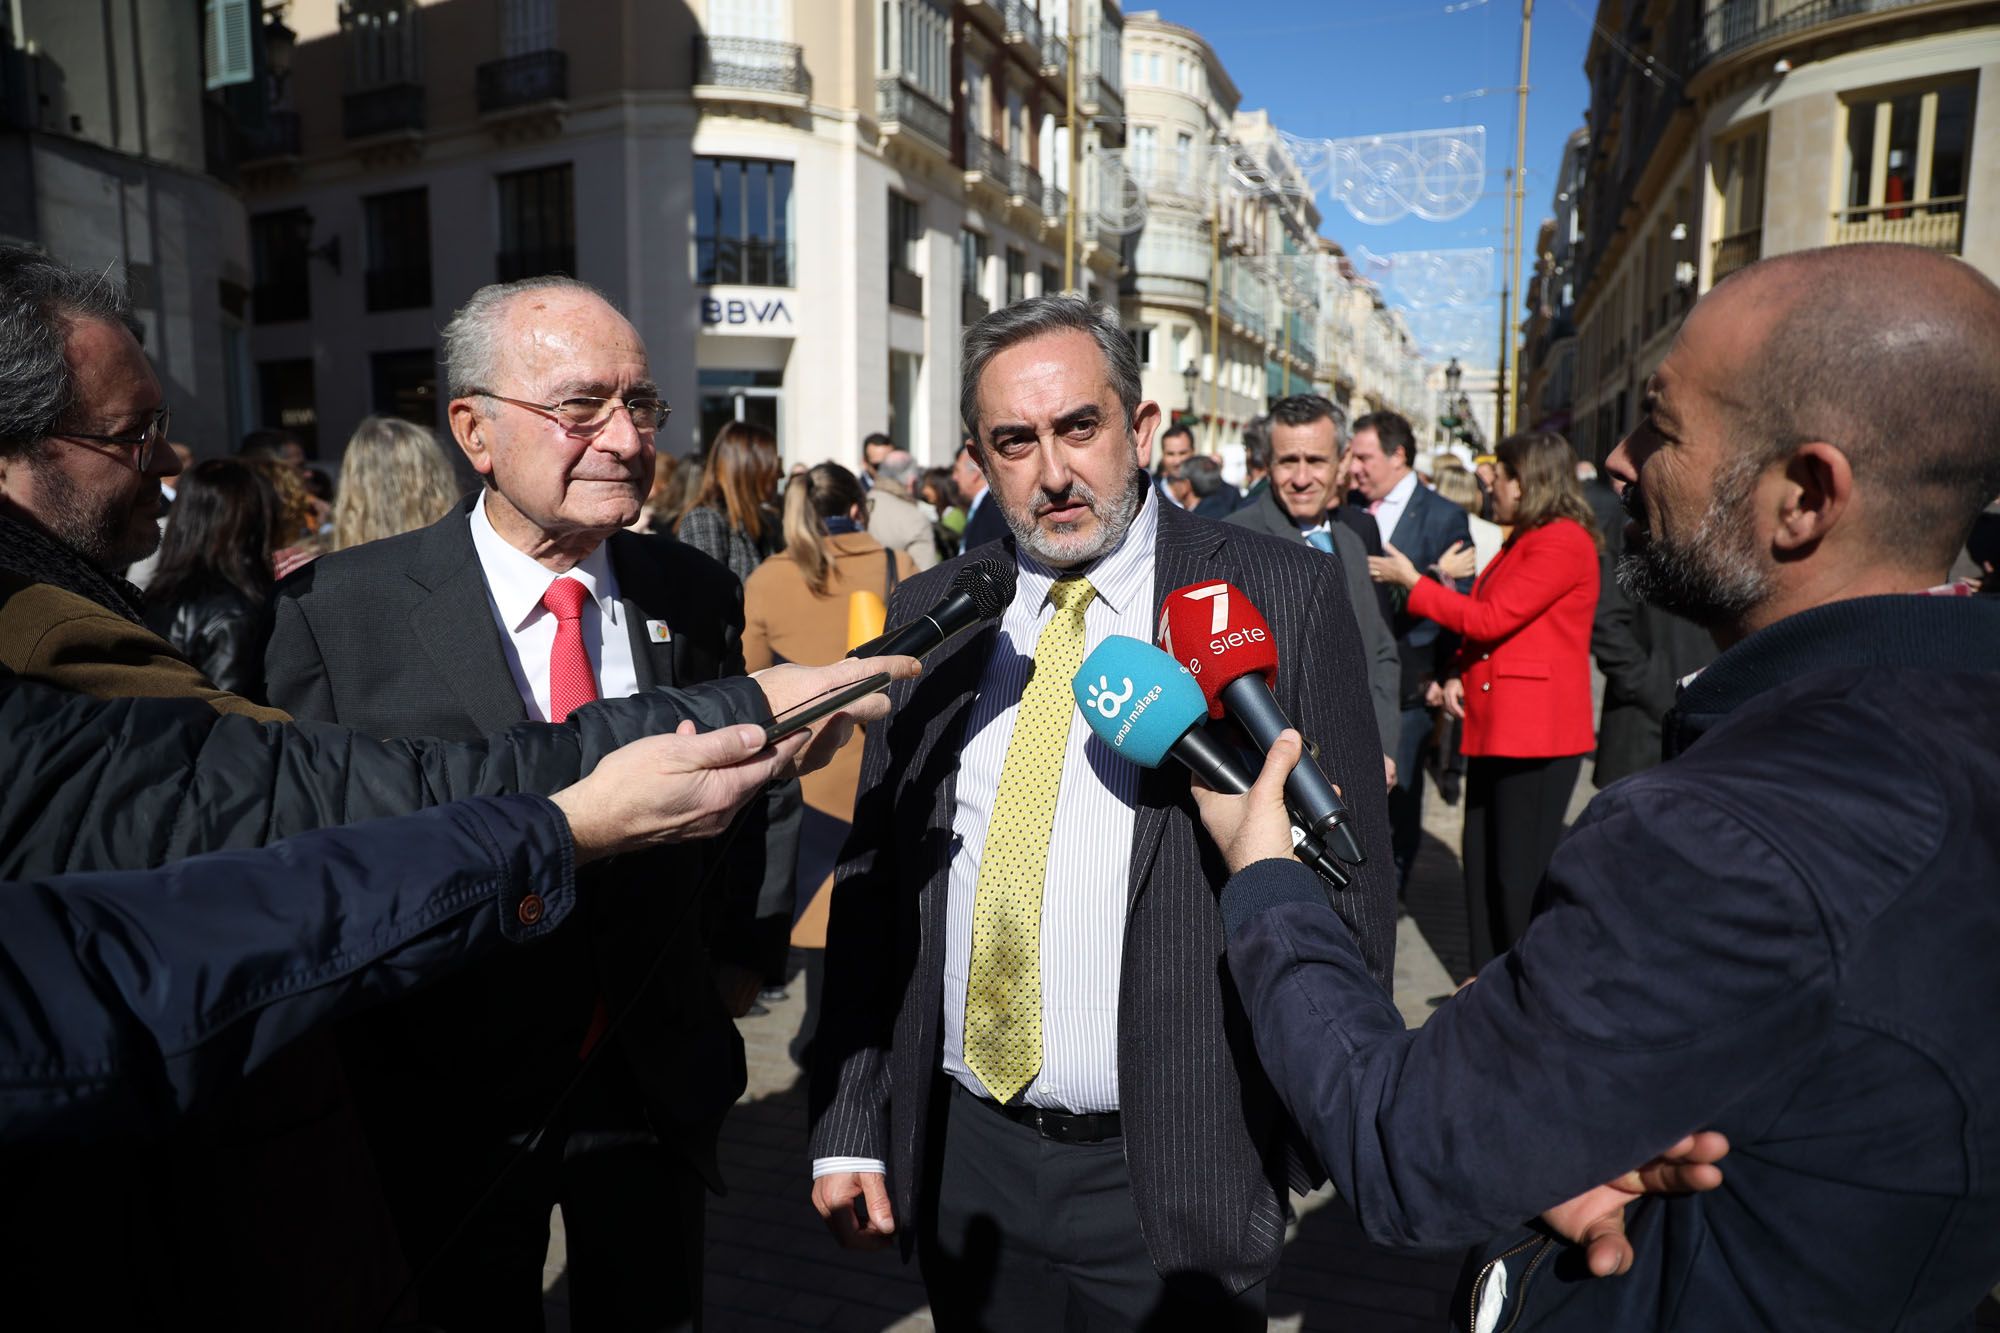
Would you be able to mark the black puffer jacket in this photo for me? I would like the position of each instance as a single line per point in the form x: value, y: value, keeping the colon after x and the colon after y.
x: 219, y: 630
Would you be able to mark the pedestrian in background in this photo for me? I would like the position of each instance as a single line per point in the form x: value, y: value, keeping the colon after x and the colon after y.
x: 731, y: 518
x: 656, y: 515
x: 893, y: 515
x: 795, y: 609
x: 1456, y: 483
x: 394, y: 478
x: 214, y: 576
x: 295, y: 520
x: 1521, y: 680
x: 1213, y: 497
x: 940, y: 491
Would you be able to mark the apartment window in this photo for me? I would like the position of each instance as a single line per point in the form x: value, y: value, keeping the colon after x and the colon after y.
x: 743, y: 221
x: 1145, y: 151
x: 399, y: 250
x: 972, y: 252
x: 1184, y: 159
x: 285, y: 398
x: 906, y: 237
x: 1155, y: 64
x: 905, y: 371
x: 1739, y: 185
x: 1051, y: 280
x: 1017, y: 276
x: 404, y: 384
x: 1906, y: 160
x: 537, y: 222
x: 280, y: 245
x: 1142, y: 344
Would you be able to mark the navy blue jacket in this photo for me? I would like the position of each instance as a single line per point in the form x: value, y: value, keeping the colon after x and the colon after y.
x: 1790, y: 933
x: 128, y: 997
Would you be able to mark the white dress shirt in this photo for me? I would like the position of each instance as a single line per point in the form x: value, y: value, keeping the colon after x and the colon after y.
x: 1090, y: 845
x: 515, y: 582
x: 1393, y: 504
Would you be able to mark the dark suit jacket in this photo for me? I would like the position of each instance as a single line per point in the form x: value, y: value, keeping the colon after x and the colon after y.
x: 396, y: 638
x: 985, y: 525
x: 1210, y: 1151
x: 1428, y: 527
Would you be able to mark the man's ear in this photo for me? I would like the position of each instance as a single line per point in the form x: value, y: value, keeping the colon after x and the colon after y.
x: 1145, y: 423
x: 468, y: 429
x: 1815, y: 493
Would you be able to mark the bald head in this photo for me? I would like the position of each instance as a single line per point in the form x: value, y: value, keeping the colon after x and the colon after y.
x: 1892, y: 354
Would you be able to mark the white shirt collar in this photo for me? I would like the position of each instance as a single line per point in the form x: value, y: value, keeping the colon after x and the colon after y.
x: 1119, y: 576
x: 517, y: 581
x: 1399, y: 494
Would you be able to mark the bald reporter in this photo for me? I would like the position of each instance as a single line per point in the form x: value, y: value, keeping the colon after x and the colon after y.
x: 128, y: 998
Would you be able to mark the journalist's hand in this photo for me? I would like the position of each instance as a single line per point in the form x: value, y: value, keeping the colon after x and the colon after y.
x: 671, y: 788
x: 1596, y: 1219
x: 787, y: 686
x: 1254, y: 826
x: 855, y: 1207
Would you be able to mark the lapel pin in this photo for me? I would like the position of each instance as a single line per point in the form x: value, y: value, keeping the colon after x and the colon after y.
x: 657, y: 632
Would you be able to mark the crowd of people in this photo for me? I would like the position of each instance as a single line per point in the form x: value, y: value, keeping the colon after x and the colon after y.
x: 1073, y: 1027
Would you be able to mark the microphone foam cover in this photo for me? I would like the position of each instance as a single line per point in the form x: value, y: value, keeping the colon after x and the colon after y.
x: 989, y: 583
x: 1214, y: 632
x: 1137, y: 699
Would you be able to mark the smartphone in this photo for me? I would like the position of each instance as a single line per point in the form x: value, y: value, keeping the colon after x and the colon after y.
x: 812, y: 710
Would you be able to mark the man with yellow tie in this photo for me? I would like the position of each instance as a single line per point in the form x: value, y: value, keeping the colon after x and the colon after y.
x: 1028, y: 1070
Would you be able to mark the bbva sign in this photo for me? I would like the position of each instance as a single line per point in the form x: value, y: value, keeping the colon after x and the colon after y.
x: 758, y: 310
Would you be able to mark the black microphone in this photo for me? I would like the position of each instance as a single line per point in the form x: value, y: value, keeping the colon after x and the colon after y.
x: 1213, y: 631
x: 981, y: 591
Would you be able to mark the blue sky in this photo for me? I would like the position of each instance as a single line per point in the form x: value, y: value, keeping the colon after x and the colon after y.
x: 1340, y: 68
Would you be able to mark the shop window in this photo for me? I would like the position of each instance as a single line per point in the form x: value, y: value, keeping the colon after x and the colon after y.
x: 285, y: 399
x: 404, y: 384
x: 743, y: 221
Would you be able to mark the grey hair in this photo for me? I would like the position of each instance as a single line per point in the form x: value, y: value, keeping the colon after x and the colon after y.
x: 471, y: 339
x: 1033, y: 318
x: 40, y: 301
x: 1204, y: 473
x: 899, y: 467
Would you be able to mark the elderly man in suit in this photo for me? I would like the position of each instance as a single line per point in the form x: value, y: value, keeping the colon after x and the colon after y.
x: 893, y: 516
x: 525, y: 602
x: 1029, y: 1068
x: 1424, y: 526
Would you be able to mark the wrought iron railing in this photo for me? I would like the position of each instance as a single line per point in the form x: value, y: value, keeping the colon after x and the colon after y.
x: 1055, y: 58
x: 1733, y: 252
x: 1935, y: 224
x: 1732, y: 25
x: 539, y: 76
x: 1055, y: 202
x: 1023, y: 24
x: 750, y: 62
x: 278, y: 136
x: 901, y: 107
x: 388, y: 109
x: 1024, y: 183
x: 745, y: 262
x: 987, y: 158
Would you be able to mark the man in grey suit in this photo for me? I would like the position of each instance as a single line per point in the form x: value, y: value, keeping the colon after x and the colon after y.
x: 1299, y: 506
x: 524, y: 602
x: 1030, y: 1071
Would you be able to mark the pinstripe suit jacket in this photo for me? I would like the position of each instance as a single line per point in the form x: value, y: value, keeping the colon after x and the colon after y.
x: 1209, y: 1147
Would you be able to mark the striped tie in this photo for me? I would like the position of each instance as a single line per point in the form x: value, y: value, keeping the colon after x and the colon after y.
x: 1003, y: 1002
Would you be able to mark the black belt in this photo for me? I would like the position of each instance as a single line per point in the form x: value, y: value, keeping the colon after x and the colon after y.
x: 1061, y: 1126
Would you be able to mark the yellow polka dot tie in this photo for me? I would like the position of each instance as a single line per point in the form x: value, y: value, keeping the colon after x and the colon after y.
x: 1003, y: 1001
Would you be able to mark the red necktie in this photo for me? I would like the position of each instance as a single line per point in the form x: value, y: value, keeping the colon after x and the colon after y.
x: 571, y: 683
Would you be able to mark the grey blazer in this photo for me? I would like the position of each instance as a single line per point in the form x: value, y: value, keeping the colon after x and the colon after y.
x: 1385, y: 665
x: 1210, y: 1149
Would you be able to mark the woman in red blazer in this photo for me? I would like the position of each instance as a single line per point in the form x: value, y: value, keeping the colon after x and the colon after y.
x: 1522, y: 678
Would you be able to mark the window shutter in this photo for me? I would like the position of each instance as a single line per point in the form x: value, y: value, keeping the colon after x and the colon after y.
x: 228, y: 27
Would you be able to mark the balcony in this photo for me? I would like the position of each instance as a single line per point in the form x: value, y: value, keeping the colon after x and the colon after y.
x: 404, y: 288
x: 906, y: 290
x: 1055, y: 59
x: 751, y: 64
x: 523, y: 81
x: 1023, y: 26
x: 535, y: 262
x: 901, y: 107
x: 972, y: 307
x: 984, y: 158
x: 1055, y: 203
x: 393, y: 108
x: 1735, y: 25
x: 1024, y: 185
x: 743, y: 262
x: 1935, y: 224
x: 278, y: 137
x: 1733, y: 252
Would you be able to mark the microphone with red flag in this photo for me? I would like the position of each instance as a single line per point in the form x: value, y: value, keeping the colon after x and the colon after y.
x: 1218, y: 635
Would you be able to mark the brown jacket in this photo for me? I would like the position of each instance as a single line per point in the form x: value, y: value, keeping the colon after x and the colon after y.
x: 784, y: 622
x: 66, y: 640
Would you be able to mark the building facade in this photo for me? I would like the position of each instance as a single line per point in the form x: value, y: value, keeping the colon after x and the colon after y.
x: 115, y: 156
x: 1792, y: 124
x: 1548, y: 353
x: 799, y: 203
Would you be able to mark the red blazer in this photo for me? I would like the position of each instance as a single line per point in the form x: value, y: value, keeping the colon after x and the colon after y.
x: 1526, y: 656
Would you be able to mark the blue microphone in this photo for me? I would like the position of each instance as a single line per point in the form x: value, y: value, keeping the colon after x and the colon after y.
x: 1142, y: 704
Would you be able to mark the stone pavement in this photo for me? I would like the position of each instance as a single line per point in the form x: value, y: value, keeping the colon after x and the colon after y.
x: 772, y: 1266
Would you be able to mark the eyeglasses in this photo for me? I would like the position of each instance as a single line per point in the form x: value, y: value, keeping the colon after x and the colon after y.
x: 585, y: 417
x: 146, y: 441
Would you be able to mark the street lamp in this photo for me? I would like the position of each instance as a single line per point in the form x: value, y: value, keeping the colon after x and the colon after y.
x: 1189, y: 378
x: 1453, y: 373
